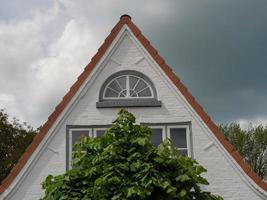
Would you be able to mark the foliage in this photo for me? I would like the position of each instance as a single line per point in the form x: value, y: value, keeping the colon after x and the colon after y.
x: 251, y: 143
x: 123, y: 164
x: 15, y: 138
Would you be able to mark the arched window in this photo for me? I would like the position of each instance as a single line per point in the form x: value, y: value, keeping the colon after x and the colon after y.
x: 127, y: 89
x: 127, y: 86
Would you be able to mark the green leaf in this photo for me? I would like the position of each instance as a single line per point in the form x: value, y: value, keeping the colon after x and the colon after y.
x: 200, y: 169
x: 182, y: 178
x: 182, y: 193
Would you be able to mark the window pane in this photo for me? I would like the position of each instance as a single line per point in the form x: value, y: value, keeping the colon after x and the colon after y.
x: 141, y: 85
x: 115, y: 86
x: 100, y: 133
x: 156, y: 136
x: 178, y: 137
x: 133, y: 81
x: 183, y: 152
x: 145, y: 93
x: 76, y: 135
x: 111, y: 93
x: 122, y: 82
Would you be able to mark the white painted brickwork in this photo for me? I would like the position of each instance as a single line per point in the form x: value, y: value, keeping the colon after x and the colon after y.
x: 223, y: 175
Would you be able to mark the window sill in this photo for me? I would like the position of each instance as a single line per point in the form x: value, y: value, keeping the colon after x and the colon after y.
x: 128, y: 103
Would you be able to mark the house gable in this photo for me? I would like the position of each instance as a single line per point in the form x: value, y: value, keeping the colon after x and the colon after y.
x: 126, y: 48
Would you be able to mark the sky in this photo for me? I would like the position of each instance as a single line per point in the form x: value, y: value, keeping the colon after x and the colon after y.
x: 217, y: 48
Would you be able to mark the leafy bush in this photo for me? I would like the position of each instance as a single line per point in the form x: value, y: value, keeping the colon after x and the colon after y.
x: 123, y: 164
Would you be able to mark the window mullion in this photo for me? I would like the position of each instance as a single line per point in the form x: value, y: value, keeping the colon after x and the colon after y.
x: 136, y: 84
x: 142, y: 89
x: 118, y: 84
x: 113, y: 90
x: 127, y: 86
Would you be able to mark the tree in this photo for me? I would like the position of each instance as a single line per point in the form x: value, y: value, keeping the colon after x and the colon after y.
x: 15, y: 138
x: 251, y: 143
x: 123, y: 164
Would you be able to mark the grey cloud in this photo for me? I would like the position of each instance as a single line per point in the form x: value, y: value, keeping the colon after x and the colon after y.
x: 17, y: 9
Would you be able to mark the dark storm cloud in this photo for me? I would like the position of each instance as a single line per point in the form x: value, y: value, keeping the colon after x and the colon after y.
x: 219, y: 49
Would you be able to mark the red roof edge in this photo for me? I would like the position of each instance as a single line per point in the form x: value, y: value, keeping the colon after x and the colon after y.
x: 126, y: 19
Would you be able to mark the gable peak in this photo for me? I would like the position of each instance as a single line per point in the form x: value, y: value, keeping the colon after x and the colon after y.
x: 125, y: 16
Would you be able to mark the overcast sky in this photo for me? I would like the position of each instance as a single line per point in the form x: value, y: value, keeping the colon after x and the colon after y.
x: 218, y: 49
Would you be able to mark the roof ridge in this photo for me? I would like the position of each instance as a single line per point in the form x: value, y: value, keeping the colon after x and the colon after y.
x: 126, y: 19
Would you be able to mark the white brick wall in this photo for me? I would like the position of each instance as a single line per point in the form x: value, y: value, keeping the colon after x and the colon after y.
x: 223, y: 176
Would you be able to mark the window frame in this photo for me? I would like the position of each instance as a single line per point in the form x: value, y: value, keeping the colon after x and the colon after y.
x: 114, y: 102
x: 163, y: 134
x: 168, y: 125
x: 98, y: 128
x: 127, y: 76
x: 93, y: 128
x: 188, y: 138
x: 70, y: 133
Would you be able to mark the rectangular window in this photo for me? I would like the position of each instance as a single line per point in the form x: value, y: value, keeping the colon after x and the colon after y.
x: 74, y: 136
x: 180, y: 138
x: 158, y: 133
x: 179, y: 135
x: 77, y: 134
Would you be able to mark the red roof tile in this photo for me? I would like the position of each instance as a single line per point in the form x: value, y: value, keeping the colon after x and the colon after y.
x: 126, y: 19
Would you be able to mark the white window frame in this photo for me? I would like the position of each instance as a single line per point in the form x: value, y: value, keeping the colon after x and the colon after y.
x: 70, y: 140
x: 166, y: 134
x: 98, y: 129
x: 188, y: 142
x: 128, y: 88
x: 163, y: 130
